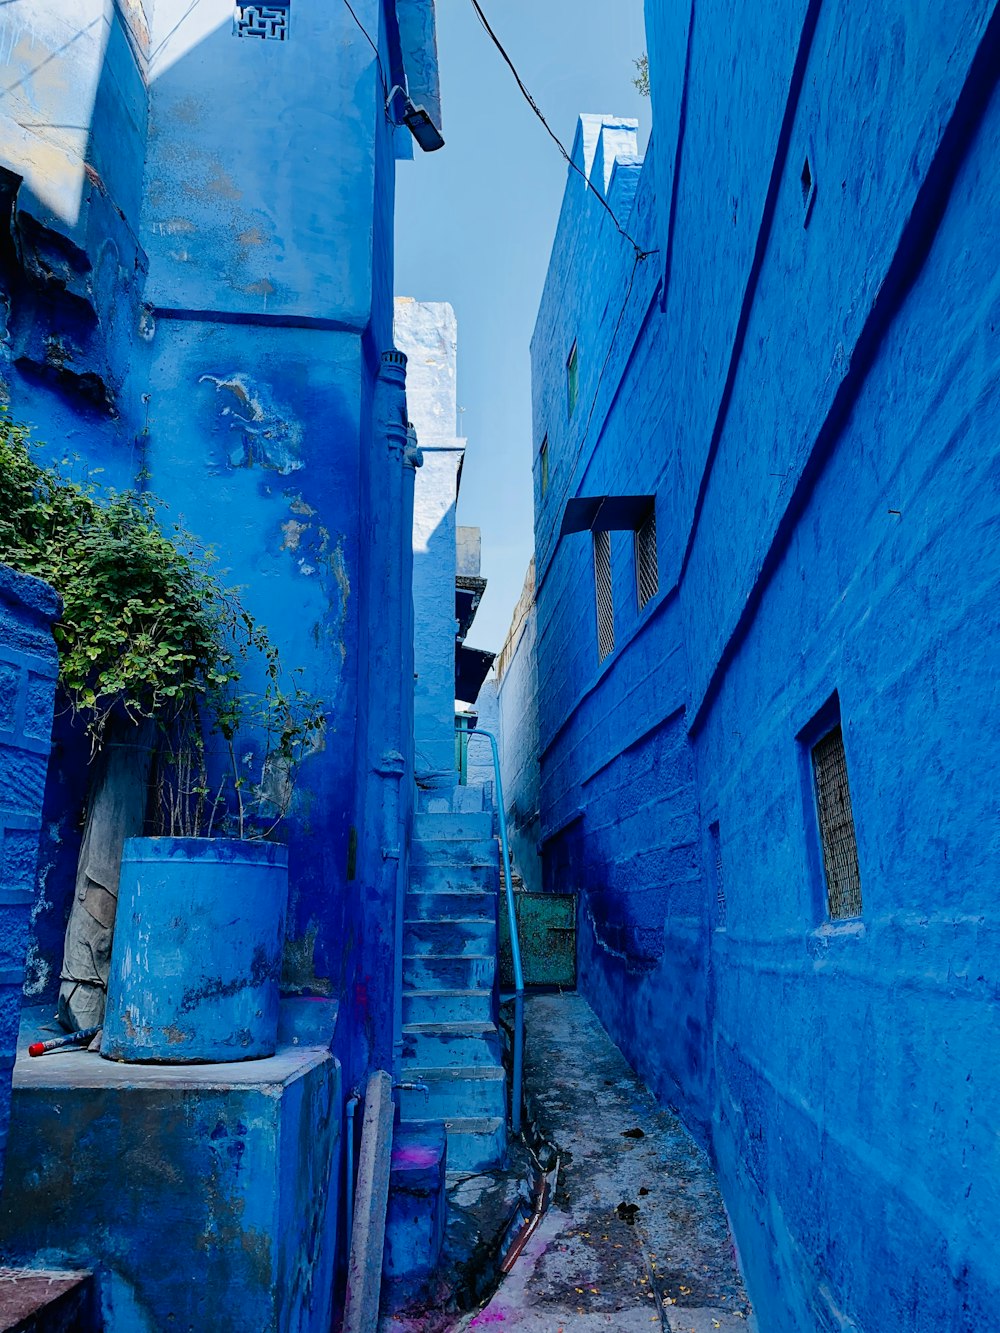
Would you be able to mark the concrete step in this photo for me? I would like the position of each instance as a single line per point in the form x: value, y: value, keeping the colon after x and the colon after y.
x: 452, y: 827
x: 456, y: 878
x: 458, y: 906
x: 43, y: 1301
x: 475, y: 1091
x: 468, y: 937
x: 453, y: 852
x: 447, y: 1006
x: 449, y: 971
x: 476, y: 1144
x: 418, y: 1204
x: 445, y: 800
x: 450, y: 1045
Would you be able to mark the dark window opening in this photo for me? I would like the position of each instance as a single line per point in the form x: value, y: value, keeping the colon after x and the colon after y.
x: 836, y: 827
x: 543, y: 463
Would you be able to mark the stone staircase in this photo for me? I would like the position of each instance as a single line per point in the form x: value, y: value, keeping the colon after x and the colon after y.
x: 451, y: 1042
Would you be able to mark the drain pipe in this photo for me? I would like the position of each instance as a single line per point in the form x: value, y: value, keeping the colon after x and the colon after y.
x: 352, y: 1106
x: 364, y: 1269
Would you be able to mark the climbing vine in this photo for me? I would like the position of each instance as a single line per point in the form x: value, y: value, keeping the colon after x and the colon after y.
x: 148, y: 631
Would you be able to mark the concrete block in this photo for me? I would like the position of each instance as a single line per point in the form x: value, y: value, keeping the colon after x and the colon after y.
x: 207, y: 1194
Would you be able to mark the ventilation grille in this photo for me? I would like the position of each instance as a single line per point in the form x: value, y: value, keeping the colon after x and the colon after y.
x: 268, y: 22
x: 605, y: 604
x: 647, y: 574
x: 836, y: 827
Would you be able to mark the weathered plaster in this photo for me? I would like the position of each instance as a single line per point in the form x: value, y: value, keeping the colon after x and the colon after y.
x: 806, y: 384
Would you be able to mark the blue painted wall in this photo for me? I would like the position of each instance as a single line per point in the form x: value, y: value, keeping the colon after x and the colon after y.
x: 28, y: 666
x: 805, y: 378
x: 199, y: 292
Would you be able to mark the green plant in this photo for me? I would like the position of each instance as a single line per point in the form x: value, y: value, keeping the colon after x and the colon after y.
x: 148, y: 631
x: 641, y: 80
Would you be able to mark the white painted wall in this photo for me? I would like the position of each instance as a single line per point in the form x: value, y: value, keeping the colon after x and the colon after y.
x: 426, y: 332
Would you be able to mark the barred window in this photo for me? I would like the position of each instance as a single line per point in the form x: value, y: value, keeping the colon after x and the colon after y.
x: 715, y: 840
x: 572, y: 380
x: 836, y: 827
x: 647, y: 574
x: 605, y: 602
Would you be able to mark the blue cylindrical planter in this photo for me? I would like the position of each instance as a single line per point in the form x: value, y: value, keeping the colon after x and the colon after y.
x: 196, y: 958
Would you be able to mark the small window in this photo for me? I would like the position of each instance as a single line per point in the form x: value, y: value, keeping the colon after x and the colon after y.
x: 836, y: 827
x: 543, y: 464
x: 715, y: 841
x: 647, y: 575
x: 572, y: 381
x: 605, y: 603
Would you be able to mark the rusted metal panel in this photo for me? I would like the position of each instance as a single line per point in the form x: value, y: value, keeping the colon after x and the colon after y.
x: 546, y: 924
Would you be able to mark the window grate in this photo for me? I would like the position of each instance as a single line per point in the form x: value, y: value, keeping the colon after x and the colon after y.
x: 605, y: 602
x: 266, y: 21
x: 836, y: 827
x: 720, y: 886
x: 647, y: 575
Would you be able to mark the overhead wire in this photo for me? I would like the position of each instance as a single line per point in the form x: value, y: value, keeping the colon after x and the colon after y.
x: 640, y: 253
x: 378, y: 58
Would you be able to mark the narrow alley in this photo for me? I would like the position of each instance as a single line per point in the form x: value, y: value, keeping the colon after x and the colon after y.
x: 499, y: 598
x: 636, y: 1234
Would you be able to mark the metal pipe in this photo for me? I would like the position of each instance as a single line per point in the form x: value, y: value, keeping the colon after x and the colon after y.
x: 515, y: 943
x: 352, y: 1106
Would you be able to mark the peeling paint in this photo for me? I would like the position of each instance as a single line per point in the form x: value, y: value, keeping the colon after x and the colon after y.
x: 270, y: 438
x: 293, y: 534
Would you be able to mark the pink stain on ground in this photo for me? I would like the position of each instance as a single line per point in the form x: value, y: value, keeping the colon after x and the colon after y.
x: 488, y: 1317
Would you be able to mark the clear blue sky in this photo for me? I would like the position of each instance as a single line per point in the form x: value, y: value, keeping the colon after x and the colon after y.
x: 474, y: 226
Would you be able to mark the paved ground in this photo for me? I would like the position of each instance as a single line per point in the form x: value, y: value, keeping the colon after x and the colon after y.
x: 636, y: 1238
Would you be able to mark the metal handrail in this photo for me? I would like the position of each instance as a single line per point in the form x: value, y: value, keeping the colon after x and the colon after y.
x: 515, y: 943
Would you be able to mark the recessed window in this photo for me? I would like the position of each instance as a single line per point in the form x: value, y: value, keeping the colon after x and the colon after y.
x: 268, y: 22
x: 715, y: 843
x: 647, y: 574
x: 572, y: 381
x: 605, y: 602
x: 836, y: 827
x: 543, y: 464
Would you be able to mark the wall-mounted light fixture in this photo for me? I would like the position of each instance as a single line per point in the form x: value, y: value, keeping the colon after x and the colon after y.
x: 418, y: 122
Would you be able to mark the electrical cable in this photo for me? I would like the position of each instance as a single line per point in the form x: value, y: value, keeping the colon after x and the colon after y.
x: 378, y: 58
x: 640, y: 253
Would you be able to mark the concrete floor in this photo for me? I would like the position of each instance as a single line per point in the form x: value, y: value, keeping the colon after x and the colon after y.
x: 636, y: 1237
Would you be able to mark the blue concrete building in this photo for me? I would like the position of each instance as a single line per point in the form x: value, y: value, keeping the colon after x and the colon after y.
x: 767, y: 594
x: 196, y: 273
x: 187, y: 304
